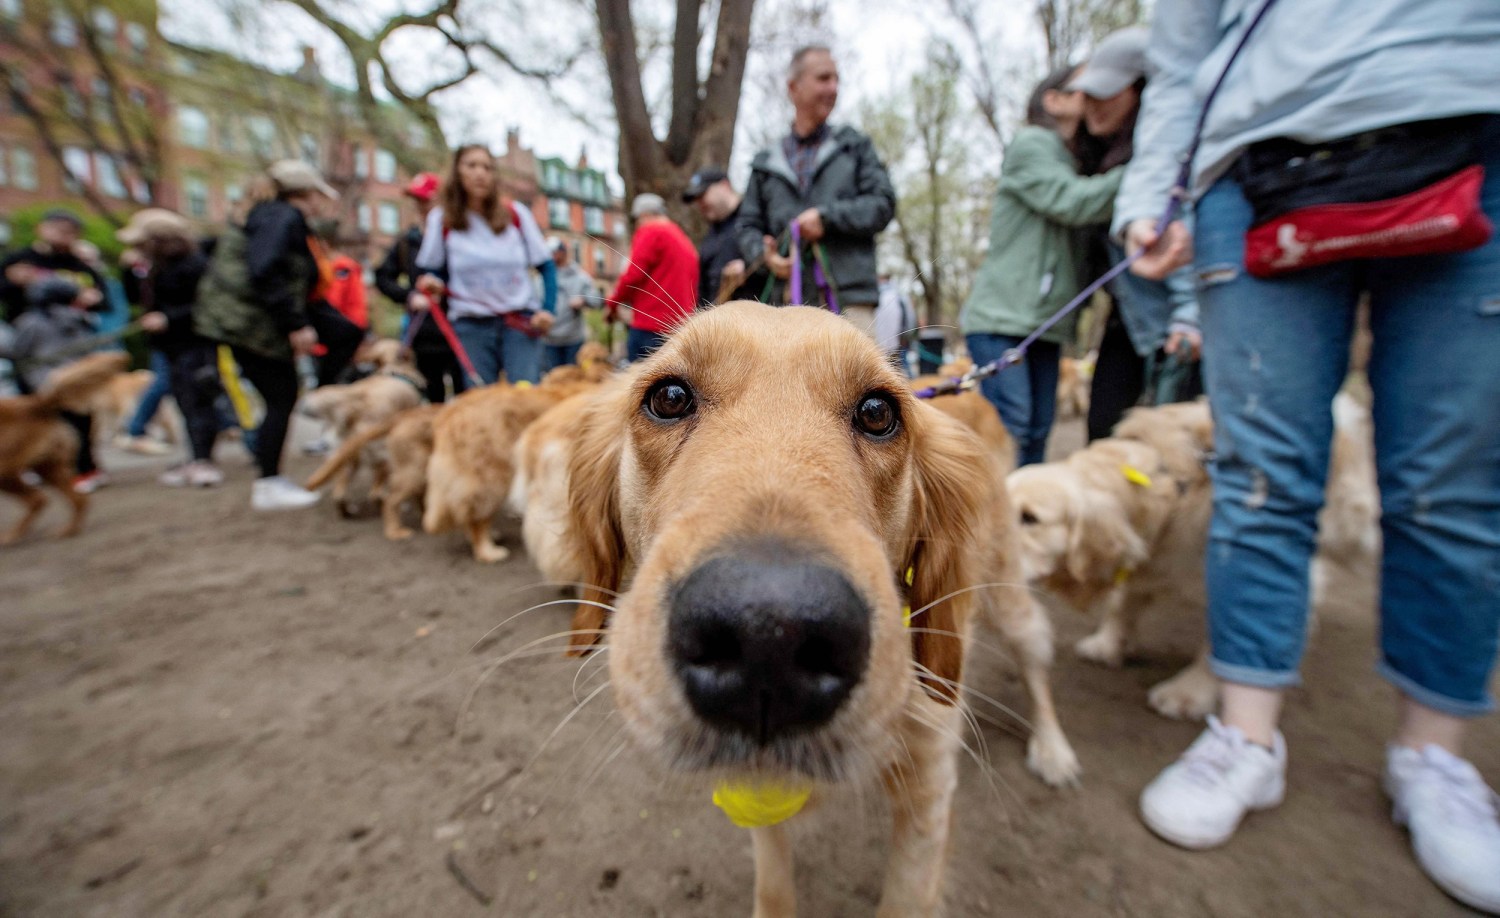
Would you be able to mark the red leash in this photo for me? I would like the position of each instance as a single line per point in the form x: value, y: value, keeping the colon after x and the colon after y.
x: 452, y: 339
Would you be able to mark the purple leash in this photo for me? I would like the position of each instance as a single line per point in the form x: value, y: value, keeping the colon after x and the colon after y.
x: 820, y: 280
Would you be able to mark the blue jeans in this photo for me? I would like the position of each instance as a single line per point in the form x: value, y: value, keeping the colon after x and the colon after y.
x: 558, y: 355
x: 1024, y: 394
x: 493, y: 346
x: 639, y: 343
x: 1275, y: 352
x: 151, y: 398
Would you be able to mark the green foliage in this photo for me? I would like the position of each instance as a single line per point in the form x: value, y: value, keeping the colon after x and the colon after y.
x: 96, y: 229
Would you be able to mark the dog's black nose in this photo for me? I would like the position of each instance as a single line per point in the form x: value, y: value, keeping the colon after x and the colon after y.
x: 767, y: 643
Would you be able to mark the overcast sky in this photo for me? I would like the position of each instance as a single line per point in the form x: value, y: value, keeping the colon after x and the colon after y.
x: 879, y: 43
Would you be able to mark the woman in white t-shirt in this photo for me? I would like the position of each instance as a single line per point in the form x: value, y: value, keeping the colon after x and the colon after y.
x: 479, y: 248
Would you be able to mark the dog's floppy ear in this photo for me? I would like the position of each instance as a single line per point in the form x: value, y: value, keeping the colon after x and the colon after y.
x: 951, y: 488
x: 1101, y: 543
x: 594, y: 513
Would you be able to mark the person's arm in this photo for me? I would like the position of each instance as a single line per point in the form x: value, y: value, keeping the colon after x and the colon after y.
x: 873, y: 205
x: 548, y: 270
x: 644, y: 254
x: 1043, y: 179
x: 266, y: 251
x: 388, y: 275
x: 1183, y: 33
x: 532, y: 241
x: 432, y: 257
x: 753, y: 229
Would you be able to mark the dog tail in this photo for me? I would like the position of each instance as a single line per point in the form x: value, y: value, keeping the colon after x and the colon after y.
x: 348, y: 449
x: 71, y: 386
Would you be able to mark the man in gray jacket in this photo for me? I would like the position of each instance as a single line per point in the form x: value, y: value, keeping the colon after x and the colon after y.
x: 828, y: 179
x: 575, y: 293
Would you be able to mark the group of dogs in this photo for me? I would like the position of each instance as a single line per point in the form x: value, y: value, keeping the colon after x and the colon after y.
x: 785, y: 552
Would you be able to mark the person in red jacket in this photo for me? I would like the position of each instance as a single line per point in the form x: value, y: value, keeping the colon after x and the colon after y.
x: 346, y: 292
x: 660, y: 283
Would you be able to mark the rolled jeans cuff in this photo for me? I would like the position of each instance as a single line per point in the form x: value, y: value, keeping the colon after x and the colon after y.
x: 1428, y: 698
x: 1254, y: 676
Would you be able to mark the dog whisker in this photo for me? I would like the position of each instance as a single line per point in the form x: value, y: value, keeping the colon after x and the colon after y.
x: 967, y: 690
x: 495, y: 665
x: 968, y: 589
x: 553, y: 602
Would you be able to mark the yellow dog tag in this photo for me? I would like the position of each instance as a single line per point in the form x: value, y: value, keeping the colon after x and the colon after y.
x: 757, y: 806
x: 1135, y: 476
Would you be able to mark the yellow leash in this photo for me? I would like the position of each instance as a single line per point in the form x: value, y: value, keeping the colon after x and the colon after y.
x: 229, y: 376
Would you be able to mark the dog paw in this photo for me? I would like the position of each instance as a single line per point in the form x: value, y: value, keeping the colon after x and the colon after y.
x: 1051, y: 758
x: 1102, y: 648
x: 491, y: 554
x: 1190, y: 695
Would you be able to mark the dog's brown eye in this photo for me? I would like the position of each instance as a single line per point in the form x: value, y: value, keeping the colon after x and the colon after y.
x: 669, y: 400
x: 1028, y: 518
x: 877, y: 416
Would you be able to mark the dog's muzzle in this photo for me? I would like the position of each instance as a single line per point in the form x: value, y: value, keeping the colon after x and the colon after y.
x: 766, y: 642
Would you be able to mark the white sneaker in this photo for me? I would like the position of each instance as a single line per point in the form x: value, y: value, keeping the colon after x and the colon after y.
x: 319, y: 447
x: 144, y: 446
x: 1454, y: 820
x: 277, y: 493
x: 175, y: 477
x: 1199, y: 800
x: 204, y: 475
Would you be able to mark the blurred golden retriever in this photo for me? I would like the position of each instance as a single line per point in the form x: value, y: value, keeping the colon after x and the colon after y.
x: 35, y: 439
x: 766, y: 495
x: 1122, y: 526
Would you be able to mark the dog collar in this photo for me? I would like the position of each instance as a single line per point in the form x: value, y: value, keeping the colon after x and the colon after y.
x: 408, y: 380
x: 1135, y: 476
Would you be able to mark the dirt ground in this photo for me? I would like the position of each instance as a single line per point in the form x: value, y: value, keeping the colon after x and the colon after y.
x: 207, y: 712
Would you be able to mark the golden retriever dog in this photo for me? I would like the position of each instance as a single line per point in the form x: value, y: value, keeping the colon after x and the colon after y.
x: 539, y: 491
x: 115, y: 403
x: 757, y: 503
x: 357, y: 408
x: 975, y: 412
x: 473, y: 443
x: 1074, y: 377
x: 34, y: 438
x: 1122, y: 526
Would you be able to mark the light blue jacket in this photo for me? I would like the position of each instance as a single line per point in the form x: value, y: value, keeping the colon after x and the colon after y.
x: 1313, y: 70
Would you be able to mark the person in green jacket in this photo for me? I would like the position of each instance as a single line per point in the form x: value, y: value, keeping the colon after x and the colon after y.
x: 1035, y: 261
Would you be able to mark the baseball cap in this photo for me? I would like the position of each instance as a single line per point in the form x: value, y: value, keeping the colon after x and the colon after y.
x: 701, y: 181
x: 1117, y: 62
x: 423, y: 186
x: 295, y: 175
x: 154, y: 223
x: 63, y: 214
x: 647, y: 204
x: 554, y: 243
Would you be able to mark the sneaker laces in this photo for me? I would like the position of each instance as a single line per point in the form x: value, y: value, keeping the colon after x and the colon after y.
x: 1207, y: 760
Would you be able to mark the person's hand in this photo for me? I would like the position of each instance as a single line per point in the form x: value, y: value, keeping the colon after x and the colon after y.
x: 779, y: 265
x: 576, y: 302
x: 303, y: 340
x: 1163, y: 254
x: 22, y: 275
x: 542, y: 321
x: 89, y: 297
x: 132, y: 259
x: 418, y: 301
x: 1186, y: 340
x: 810, y: 222
x: 430, y: 284
x: 734, y: 272
x: 154, y: 322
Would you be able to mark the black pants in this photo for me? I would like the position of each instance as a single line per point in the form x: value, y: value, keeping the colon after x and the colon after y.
x: 435, y: 365
x: 1120, y: 380
x: 195, y: 387
x: 84, y: 425
x: 276, y: 381
x: 336, y: 333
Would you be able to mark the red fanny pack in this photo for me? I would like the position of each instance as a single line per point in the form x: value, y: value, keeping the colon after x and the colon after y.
x: 1411, y: 189
x: 520, y: 320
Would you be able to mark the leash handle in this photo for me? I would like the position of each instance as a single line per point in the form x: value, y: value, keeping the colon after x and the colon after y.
x: 794, y: 284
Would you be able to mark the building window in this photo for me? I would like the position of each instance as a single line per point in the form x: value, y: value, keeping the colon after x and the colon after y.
x: 64, y: 30
x: 362, y: 217
x: 385, y: 166
x: 108, y: 176
x: 309, y: 145
x: 558, y: 212
x: 4, y: 175
x: 72, y: 99
x: 599, y: 261
x: 10, y: 9
x: 105, y: 25
x: 195, y: 193
x: 99, y: 94
x: 620, y: 227
x: 192, y: 127
x: 262, y: 135
x: 233, y: 193
x: 389, y: 218
x: 76, y: 161
x: 229, y: 135
x: 593, y: 220
x: 137, y: 37
x: 138, y: 97
x: 20, y: 92
x: 23, y: 169
x: 361, y: 163
x: 139, y: 190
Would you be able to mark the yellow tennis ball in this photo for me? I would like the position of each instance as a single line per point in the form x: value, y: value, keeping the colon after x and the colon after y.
x: 754, y: 806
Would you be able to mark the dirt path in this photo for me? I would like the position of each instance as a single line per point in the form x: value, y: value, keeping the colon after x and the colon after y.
x: 211, y: 713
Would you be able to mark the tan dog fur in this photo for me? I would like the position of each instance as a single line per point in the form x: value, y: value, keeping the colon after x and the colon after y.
x: 34, y: 438
x: 115, y: 402
x: 1101, y: 542
x: 771, y: 452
